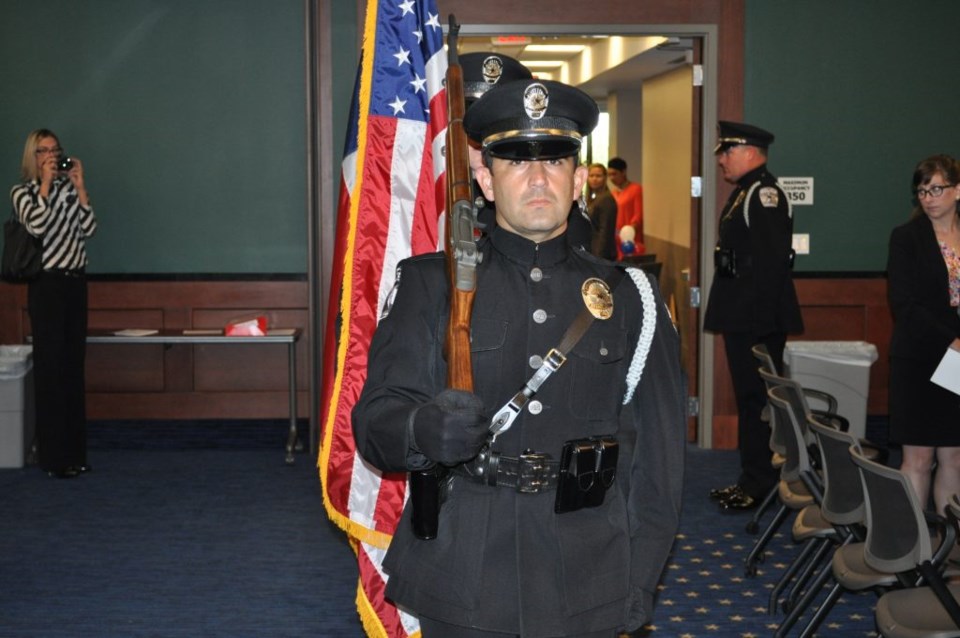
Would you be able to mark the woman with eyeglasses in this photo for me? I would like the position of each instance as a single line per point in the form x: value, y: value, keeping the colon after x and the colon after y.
x: 52, y: 202
x: 923, y: 274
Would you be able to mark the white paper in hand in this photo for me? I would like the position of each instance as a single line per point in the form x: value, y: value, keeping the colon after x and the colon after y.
x: 947, y: 374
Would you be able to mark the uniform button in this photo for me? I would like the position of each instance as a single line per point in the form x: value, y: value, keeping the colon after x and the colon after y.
x: 536, y: 361
x: 536, y: 274
x: 540, y: 315
x: 603, y: 351
x: 535, y: 407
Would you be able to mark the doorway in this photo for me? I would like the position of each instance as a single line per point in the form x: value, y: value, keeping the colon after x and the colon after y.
x: 621, y: 66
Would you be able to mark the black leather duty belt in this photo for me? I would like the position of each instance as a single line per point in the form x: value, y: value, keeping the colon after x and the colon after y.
x: 530, y: 473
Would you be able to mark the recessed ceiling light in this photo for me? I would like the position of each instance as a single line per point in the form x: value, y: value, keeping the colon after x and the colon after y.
x: 554, y: 48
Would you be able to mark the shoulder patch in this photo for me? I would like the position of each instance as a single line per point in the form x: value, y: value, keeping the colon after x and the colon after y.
x: 769, y: 197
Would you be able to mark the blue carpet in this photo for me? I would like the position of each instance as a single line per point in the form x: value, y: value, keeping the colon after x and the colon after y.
x: 174, y: 542
x: 201, y: 529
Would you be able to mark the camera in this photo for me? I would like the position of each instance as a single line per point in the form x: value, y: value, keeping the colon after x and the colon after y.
x: 64, y: 164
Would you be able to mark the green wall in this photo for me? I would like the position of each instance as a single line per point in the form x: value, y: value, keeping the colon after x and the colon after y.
x: 857, y: 93
x: 188, y: 115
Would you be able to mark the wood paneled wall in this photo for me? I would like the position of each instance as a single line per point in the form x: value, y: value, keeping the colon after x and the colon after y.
x: 834, y: 309
x: 184, y: 381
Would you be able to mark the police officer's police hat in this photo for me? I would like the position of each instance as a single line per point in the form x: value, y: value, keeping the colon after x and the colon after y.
x: 736, y: 133
x: 483, y: 71
x: 531, y: 120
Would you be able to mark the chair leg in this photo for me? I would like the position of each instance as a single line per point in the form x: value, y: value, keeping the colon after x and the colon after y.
x: 818, y: 616
x: 808, y: 548
x: 754, y: 525
x: 756, y: 554
x: 804, y: 602
x: 818, y: 562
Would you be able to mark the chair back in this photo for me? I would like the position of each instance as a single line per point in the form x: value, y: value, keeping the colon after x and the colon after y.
x: 789, y: 431
x: 843, y: 502
x: 898, y: 538
x: 792, y: 393
x: 763, y: 355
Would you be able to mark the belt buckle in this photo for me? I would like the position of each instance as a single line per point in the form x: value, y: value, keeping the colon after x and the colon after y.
x: 533, y: 473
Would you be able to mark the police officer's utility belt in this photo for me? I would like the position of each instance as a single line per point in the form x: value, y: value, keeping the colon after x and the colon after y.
x: 586, y: 470
x: 727, y: 261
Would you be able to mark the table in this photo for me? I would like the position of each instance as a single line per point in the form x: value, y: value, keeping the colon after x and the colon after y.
x: 287, y: 336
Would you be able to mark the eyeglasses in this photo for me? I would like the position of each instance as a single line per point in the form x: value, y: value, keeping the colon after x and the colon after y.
x: 49, y: 151
x: 933, y: 191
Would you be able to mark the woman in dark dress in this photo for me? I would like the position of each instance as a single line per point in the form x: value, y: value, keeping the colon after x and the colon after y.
x: 923, y: 273
x: 602, y: 208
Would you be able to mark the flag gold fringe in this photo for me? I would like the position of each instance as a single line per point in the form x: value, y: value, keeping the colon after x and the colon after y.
x: 352, y: 528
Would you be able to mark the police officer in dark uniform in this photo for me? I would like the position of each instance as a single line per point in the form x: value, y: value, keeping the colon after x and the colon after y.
x: 562, y: 523
x: 752, y: 300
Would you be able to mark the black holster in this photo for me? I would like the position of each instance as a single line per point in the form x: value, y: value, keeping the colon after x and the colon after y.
x: 426, y: 497
x: 588, y: 468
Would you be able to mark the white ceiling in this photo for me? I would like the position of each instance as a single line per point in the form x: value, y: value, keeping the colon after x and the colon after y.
x: 627, y: 74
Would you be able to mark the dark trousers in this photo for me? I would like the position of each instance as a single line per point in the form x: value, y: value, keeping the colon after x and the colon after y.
x: 757, y: 475
x: 435, y: 629
x: 58, y: 320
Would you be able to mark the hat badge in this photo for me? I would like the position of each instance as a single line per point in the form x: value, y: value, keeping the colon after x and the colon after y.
x: 536, y: 98
x: 492, y: 69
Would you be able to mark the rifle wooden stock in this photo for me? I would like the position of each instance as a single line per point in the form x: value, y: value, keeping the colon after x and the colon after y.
x: 462, y: 256
x: 462, y: 259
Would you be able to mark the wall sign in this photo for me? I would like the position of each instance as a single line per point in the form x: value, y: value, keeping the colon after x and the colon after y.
x: 799, y: 190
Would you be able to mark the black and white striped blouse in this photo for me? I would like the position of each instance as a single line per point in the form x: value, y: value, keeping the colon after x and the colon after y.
x: 59, y: 219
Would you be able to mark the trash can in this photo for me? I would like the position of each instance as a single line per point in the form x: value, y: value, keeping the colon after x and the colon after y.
x: 840, y: 368
x: 16, y: 405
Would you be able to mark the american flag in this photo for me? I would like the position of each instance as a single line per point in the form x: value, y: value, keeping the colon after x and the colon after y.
x: 392, y: 196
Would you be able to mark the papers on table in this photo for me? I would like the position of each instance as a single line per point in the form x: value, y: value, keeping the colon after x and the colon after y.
x: 947, y: 374
x: 135, y: 332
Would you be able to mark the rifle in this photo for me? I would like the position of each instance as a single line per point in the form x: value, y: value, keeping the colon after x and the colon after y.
x: 462, y: 260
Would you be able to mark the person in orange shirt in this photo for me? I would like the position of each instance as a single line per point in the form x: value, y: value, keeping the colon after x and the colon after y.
x: 629, y: 196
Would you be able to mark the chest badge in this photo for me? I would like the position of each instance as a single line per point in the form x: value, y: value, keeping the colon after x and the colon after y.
x: 597, y: 298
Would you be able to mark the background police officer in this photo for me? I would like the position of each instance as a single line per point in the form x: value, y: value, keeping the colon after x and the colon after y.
x: 752, y: 300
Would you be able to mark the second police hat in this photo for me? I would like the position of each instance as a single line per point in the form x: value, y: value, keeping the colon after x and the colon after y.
x: 736, y: 133
x: 484, y: 70
x: 531, y: 120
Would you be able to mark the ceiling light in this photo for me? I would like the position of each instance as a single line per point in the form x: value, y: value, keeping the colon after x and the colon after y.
x: 554, y: 48
x: 543, y: 64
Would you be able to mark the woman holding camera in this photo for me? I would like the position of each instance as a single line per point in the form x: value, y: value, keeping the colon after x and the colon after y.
x: 52, y: 203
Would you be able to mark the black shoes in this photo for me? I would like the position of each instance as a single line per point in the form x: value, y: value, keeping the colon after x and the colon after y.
x: 733, y: 499
x: 739, y: 502
x: 71, y: 471
x: 723, y: 493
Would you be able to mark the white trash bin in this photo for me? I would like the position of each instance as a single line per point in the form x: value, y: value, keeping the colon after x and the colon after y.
x: 840, y: 368
x: 16, y: 405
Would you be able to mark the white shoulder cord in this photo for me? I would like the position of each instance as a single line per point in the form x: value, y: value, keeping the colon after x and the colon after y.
x: 647, y: 329
x: 746, y: 205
